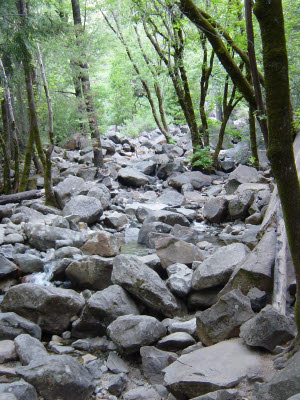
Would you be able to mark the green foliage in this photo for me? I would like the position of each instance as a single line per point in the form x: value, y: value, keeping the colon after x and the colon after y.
x: 139, y: 123
x: 297, y: 119
x: 201, y: 158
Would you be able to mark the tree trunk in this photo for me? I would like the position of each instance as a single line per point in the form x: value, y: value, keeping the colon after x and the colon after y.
x: 4, y: 140
x: 253, y: 142
x: 280, y: 152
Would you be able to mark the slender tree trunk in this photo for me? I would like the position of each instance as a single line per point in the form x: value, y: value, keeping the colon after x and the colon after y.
x: 253, y: 142
x: 254, y: 72
x: 220, y: 139
x: 280, y: 152
x: 4, y: 139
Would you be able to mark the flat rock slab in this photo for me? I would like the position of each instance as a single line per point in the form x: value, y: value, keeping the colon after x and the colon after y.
x: 212, y: 368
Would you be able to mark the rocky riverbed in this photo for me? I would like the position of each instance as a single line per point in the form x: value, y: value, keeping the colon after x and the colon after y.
x: 151, y: 282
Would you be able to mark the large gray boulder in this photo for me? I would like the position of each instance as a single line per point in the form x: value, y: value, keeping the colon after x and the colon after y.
x: 223, y: 320
x: 145, y: 284
x: 218, y: 267
x: 12, y: 325
x: 115, y: 220
x: 131, y: 332
x: 194, y: 178
x: 132, y: 177
x: 242, y: 174
x: 90, y: 272
x: 180, y: 279
x: 29, y: 263
x: 284, y: 384
x: 7, y: 268
x: 20, y: 389
x: 172, y: 198
x: 154, y: 361
x: 268, y: 329
x: 212, y: 368
x: 167, y: 217
x: 102, y: 308
x: 102, y: 193
x: 147, y: 228
x: 58, y: 377
x: 104, y: 244
x: 215, y: 209
x: 257, y: 269
x: 71, y: 186
x: 239, y: 205
x: 176, y: 341
x: 51, y: 308
x: 83, y: 209
x: 44, y: 237
x: 29, y: 349
x: 224, y: 394
x: 171, y: 250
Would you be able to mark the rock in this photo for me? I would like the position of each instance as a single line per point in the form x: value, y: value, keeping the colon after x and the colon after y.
x: 116, y: 365
x: 171, y: 250
x: 225, y: 394
x: 102, y: 193
x: 242, y: 174
x: 167, y: 217
x: 154, y: 361
x: 44, y: 237
x: 172, y: 150
x: 185, y: 233
x: 116, y: 220
x: 258, y: 299
x: 71, y: 186
x: 7, y: 351
x: 218, y: 267
x: 147, y: 167
x: 12, y: 325
x: 257, y: 269
x: 145, y: 284
x: 29, y: 349
x: 8, y: 269
x: 131, y: 332
x: 20, y: 389
x: 195, y: 178
x: 180, y: 279
x: 203, y: 299
x: 41, y: 304
x: 58, y: 377
x: 90, y: 272
x: 148, y: 228
x: 170, y: 167
x: 83, y: 209
x: 7, y: 396
x: 222, y: 320
x: 171, y: 198
x: 268, y: 329
x: 215, y: 209
x: 296, y: 397
x: 192, y: 348
x: 142, y: 393
x: 29, y: 263
x: 283, y: 384
x: 204, y: 371
x: 183, y: 326
x: 103, y: 244
x: 101, y: 309
x: 94, y: 368
x: 132, y: 177
x: 117, y: 384
x: 238, y: 206
x: 176, y: 341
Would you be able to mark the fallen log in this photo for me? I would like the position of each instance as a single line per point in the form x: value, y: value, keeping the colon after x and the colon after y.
x: 18, y: 197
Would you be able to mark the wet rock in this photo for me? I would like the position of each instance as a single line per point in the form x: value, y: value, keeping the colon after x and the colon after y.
x: 154, y: 361
x: 12, y: 325
x: 145, y: 284
x: 172, y: 250
x: 20, y: 389
x: 29, y: 263
x: 104, y: 244
x: 215, y: 209
x: 58, y: 377
x: 217, y: 268
x: 268, y: 329
x: 175, y: 341
x: 180, y: 279
x: 7, y: 351
x: 223, y: 320
x: 204, y: 371
x: 29, y: 349
x: 132, y: 177
x: 83, y: 209
x: 41, y: 304
x: 131, y: 332
x: 90, y: 272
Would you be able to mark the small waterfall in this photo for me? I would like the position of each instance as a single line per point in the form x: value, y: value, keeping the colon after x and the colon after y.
x: 42, y: 278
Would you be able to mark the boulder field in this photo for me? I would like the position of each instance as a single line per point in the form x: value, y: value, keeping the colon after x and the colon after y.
x: 151, y: 282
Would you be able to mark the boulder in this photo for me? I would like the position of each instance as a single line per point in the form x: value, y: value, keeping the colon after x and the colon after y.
x: 20, y: 389
x: 132, y: 177
x: 144, y: 236
x: 258, y: 299
x: 238, y: 206
x: 183, y: 326
x: 44, y: 237
x: 257, y: 269
x: 215, y: 209
x: 268, y: 329
x: 171, y: 250
x: 7, y: 268
x: 176, y: 341
x: 12, y: 325
x: 58, y: 377
x: 116, y: 364
x: 116, y: 220
x: 7, y: 351
x: 90, y: 272
x: 145, y: 284
x: 187, y: 234
x: 117, y: 384
x: 142, y: 393
x: 167, y: 217
x: 131, y: 332
x: 283, y: 384
x: 71, y: 186
x: 212, y: 368
x: 195, y: 178
x: 83, y: 209
x: 102, y: 193
x: 154, y: 361
x: 242, y: 174
x: 225, y: 394
x: 146, y: 167
x: 51, y: 308
x: 104, y: 244
x: 217, y: 268
x: 171, y: 198
x: 180, y: 279
x: 223, y: 320
x: 203, y: 299
x: 29, y: 263
x: 29, y: 349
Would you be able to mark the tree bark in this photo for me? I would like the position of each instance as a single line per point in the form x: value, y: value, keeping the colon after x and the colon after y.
x: 18, y: 197
x: 253, y: 142
x: 280, y: 152
x: 4, y: 140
